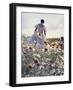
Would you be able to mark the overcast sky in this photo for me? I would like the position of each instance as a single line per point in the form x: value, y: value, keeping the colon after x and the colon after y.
x: 54, y: 23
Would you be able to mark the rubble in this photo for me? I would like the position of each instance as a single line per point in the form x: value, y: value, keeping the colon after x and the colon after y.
x: 42, y: 62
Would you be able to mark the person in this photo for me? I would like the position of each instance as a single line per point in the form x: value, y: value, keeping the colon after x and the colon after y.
x: 39, y: 36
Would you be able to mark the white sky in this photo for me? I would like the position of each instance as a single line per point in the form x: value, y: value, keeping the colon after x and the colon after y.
x: 54, y: 23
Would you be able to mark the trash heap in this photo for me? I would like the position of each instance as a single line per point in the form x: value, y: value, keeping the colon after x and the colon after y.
x: 48, y: 61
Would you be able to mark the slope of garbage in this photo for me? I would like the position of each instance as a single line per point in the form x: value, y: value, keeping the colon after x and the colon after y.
x: 48, y: 61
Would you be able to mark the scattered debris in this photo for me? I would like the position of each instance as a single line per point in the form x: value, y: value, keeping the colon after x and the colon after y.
x: 42, y: 62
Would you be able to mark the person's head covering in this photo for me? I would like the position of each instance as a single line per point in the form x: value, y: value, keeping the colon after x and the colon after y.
x: 42, y: 21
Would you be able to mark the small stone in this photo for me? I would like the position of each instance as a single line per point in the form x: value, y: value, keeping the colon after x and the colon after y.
x: 37, y: 55
x: 30, y: 48
x: 30, y: 66
x: 52, y: 72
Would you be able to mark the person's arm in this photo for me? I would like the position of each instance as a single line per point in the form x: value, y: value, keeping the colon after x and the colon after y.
x: 45, y: 31
x: 35, y: 29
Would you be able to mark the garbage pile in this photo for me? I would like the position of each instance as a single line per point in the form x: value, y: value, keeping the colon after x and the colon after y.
x: 48, y: 61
